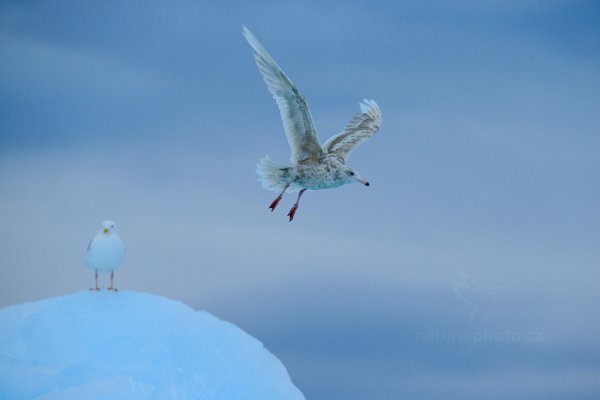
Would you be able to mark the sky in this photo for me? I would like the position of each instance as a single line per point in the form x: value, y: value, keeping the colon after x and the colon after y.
x: 468, y: 269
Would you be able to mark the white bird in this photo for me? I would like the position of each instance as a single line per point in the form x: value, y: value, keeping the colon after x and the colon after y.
x: 314, y: 166
x: 106, y: 252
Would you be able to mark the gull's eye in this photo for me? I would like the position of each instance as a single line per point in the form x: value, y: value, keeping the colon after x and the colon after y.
x: 351, y: 173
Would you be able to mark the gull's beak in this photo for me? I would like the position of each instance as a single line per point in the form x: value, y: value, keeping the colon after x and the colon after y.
x: 105, y: 230
x: 364, y: 182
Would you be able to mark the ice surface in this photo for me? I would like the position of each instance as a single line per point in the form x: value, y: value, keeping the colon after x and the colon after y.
x: 129, y: 345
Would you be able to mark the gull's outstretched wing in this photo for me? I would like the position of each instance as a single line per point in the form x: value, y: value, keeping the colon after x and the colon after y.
x: 359, y: 129
x: 297, y: 121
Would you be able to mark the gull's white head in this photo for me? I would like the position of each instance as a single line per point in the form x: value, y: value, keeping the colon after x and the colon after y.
x: 352, y: 175
x: 108, y: 227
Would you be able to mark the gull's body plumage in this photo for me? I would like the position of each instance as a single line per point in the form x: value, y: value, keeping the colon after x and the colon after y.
x: 105, y: 252
x: 314, y: 166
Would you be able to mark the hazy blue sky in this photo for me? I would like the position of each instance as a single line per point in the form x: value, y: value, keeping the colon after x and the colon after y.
x: 468, y: 269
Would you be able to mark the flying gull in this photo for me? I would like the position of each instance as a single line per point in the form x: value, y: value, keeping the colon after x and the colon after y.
x: 105, y: 252
x: 315, y: 166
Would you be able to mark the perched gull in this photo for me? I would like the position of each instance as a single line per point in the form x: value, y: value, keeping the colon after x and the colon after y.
x: 105, y: 252
x: 314, y: 166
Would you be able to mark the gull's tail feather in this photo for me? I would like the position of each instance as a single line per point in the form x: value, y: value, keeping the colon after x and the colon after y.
x: 272, y: 175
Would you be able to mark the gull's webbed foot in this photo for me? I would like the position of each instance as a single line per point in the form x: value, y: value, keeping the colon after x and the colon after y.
x: 112, y: 282
x: 295, y: 207
x: 96, y: 289
x: 278, y: 199
x: 293, y: 212
x: 275, y: 202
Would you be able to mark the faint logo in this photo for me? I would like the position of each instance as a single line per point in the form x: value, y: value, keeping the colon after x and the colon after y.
x: 479, y: 299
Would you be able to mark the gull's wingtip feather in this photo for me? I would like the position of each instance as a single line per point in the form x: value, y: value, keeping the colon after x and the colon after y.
x: 371, y: 108
x: 260, y: 53
x: 246, y: 32
x: 250, y: 37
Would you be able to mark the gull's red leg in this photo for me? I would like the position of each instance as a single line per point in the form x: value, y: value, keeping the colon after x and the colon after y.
x: 295, y: 206
x: 278, y: 199
x: 96, y: 288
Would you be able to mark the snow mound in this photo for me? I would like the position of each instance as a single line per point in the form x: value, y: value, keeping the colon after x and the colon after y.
x: 129, y: 345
